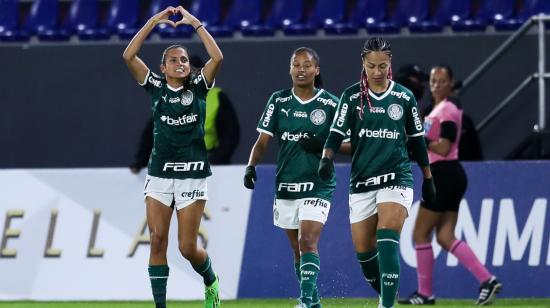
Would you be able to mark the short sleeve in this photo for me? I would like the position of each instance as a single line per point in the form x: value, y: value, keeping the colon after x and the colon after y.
x: 340, y: 123
x: 413, y: 125
x: 268, y: 121
x: 152, y: 83
x: 200, y: 84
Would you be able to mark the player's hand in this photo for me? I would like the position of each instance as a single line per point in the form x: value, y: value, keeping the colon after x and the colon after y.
x: 326, y: 169
x: 250, y: 177
x: 164, y: 16
x: 312, y: 144
x: 186, y: 17
x: 428, y: 190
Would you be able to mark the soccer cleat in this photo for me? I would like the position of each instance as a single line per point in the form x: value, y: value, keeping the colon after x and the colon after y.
x: 211, y: 295
x: 488, y: 290
x: 417, y: 299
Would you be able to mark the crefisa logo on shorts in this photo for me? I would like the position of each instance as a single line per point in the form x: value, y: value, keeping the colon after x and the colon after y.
x: 193, y: 194
x: 316, y: 203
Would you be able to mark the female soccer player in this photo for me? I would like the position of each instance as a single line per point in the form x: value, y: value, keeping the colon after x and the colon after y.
x: 443, y: 126
x: 178, y: 166
x: 381, y: 115
x: 299, y: 118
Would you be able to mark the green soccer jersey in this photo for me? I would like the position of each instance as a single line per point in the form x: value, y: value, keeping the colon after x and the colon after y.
x: 289, y: 119
x: 179, y: 151
x: 378, y: 136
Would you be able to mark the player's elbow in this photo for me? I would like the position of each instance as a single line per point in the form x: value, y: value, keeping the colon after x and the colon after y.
x: 128, y: 57
x: 218, y: 59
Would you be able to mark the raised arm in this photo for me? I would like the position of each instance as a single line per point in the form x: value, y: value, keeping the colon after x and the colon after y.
x: 216, y: 57
x: 137, y: 67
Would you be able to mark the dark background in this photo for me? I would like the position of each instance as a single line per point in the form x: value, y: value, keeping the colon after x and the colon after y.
x: 76, y: 105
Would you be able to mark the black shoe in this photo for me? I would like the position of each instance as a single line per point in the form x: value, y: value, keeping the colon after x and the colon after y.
x: 488, y: 290
x: 417, y: 299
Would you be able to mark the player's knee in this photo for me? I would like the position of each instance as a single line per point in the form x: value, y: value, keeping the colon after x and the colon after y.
x: 188, y: 249
x: 308, y: 243
x: 159, y: 242
x: 445, y: 240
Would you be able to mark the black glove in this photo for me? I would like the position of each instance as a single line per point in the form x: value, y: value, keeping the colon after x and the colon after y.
x: 250, y: 177
x: 312, y: 144
x: 326, y: 169
x: 428, y: 190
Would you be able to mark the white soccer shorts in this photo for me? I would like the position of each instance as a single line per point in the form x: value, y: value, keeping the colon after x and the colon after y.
x: 287, y: 213
x: 177, y: 192
x: 363, y: 205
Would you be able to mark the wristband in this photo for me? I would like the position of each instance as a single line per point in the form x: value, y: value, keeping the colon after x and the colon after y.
x: 197, y: 28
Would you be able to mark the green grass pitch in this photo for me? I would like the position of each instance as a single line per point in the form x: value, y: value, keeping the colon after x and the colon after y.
x: 273, y: 303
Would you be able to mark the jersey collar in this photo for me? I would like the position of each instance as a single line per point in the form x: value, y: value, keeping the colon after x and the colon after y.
x: 173, y: 89
x: 309, y: 100
x: 383, y: 95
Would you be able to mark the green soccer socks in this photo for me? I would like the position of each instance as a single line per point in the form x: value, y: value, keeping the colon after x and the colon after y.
x: 370, y: 268
x: 158, y: 274
x: 316, y: 300
x: 205, y: 270
x: 387, y: 242
x: 309, y: 269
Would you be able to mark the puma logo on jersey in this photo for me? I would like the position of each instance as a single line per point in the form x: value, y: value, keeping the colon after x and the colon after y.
x: 285, y: 111
x: 164, y: 97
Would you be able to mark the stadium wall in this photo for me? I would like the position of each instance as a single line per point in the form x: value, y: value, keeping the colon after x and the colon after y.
x: 71, y: 234
x: 76, y: 105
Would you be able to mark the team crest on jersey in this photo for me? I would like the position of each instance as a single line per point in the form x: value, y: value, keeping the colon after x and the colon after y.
x: 318, y: 116
x: 395, y: 111
x: 187, y: 98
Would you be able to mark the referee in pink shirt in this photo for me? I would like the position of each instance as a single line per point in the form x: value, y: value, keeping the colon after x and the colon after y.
x: 443, y: 126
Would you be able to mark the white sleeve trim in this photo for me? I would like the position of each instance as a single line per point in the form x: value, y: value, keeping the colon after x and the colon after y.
x: 338, y: 131
x: 206, y: 83
x: 145, y: 80
x: 346, y: 140
x: 264, y: 131
x: 416, y: 135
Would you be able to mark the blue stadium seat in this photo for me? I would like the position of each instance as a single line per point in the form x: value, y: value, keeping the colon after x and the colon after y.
x: 9, y: 25
x: 495, y: 12
x: 123, y: 18
x: 500, y: 13
x: 331, y: 16
x: 447, y: 12
x: 328, y: 15
x: 244, y: 13
x: 285, y: 13
x: 375, y: 18
x: 83, y: 21
x: 165, y: 30
x: 43, y: 21
x: 209, y: 12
